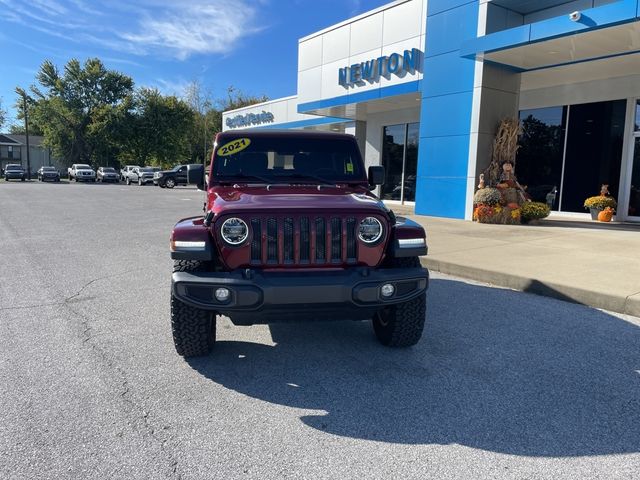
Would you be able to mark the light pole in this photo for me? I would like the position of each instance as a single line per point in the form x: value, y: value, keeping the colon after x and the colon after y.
x: 23, y: 94
x: 205, y: 108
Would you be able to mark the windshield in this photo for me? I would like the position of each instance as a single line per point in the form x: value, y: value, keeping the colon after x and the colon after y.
x: 176, y: 168
x: 14, y: 167
x: 291, y: 160
x: 48, y: 169
x: 83, y: 167
x: 146, y: 170
x: 108, y: 170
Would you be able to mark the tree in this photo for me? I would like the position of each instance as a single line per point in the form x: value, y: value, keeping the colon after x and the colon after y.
x: 157, y: 129
x: 81, y: 110
x: 3, y: 115
x: 201, y: 136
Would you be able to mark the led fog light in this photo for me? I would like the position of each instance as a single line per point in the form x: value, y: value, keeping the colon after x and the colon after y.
x: 222, y: 294
x: 387, y: 290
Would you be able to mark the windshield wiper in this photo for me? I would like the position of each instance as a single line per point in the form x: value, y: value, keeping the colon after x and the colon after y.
x: 244, y: 176
x: 307, y: 177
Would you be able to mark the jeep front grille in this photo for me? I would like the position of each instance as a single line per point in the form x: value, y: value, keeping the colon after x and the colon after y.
x: 303, y: 240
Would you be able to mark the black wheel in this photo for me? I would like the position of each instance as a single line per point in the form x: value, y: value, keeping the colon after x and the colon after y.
x: 22, y: 179
x: 194, y: 329
x: 76, y: 179
x: 162, y: 185
x: 170, y: 183
x: 401, y: 325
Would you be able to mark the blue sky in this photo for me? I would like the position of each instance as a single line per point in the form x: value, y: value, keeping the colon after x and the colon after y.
x: 250, y: 44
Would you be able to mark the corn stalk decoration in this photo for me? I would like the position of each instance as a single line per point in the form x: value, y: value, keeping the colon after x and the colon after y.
x: 505, y: 146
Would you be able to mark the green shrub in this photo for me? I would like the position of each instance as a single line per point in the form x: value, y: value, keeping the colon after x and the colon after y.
x: 534, y: 210
x: 487, y: 196
x: 600, y: 202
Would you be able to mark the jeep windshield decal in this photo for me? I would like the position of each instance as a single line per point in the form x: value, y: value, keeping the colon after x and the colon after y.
x: 292, y: 160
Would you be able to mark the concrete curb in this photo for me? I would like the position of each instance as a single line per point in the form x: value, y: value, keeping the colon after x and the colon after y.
x: 615, y: 303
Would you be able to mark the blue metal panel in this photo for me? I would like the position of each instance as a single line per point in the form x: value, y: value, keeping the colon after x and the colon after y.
x: 456, y: 78
x: 439, y: 6
x: 447, y: 100
x: 448, y: 29
x: 447, y: 156
x: 441, y: 196
x: 512, y: 37
x: 358, y: 97
x: 305, y: 123
x: 592, y: 18
x: 447, y: 115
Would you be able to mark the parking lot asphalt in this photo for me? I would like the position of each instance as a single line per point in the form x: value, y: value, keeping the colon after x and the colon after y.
x: 504, y: 384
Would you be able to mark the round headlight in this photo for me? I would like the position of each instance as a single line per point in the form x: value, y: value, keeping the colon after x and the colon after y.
x: 234, y: 231
x: 370, y: 230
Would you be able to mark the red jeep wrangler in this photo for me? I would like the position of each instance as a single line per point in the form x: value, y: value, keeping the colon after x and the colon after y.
x: 292, y: 232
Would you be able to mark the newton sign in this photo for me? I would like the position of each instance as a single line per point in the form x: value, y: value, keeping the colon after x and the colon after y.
x: 371, y: 70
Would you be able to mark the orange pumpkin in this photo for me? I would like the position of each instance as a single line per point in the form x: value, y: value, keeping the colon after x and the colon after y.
x: 605, y: 215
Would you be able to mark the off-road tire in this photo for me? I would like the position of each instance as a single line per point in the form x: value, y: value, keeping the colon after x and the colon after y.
x: 401, y: 325
x: 194, y: 329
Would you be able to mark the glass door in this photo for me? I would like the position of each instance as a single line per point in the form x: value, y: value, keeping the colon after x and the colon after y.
x: 400, y: 160
x: 632, y: 209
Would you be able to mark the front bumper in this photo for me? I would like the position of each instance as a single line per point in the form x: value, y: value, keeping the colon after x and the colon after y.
x: 264, y: 297
x: 14, y: 176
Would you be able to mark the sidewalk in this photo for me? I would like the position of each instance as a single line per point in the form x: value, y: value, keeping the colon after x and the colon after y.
x: 592, y: 263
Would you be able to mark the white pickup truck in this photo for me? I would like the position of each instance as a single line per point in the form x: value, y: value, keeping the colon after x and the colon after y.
x: 81, y: 172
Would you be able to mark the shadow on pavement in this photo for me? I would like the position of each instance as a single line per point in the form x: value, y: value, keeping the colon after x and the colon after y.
x: 497, y: 370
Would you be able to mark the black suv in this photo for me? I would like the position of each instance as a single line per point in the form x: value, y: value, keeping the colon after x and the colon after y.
x: 170, y: 178
x: 14, y: 172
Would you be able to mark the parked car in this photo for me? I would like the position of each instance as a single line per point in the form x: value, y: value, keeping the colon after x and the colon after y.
x: 307, y: 242
x: 126, y: 171
x: 81, y: 172
x: 48, y: 173
x: 107, y: 174
x: 170, y: 178
x: 140, y: 175
x: 14, y: 171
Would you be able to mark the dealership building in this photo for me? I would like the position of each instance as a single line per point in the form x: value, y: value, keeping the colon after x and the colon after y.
x: 423, y: 84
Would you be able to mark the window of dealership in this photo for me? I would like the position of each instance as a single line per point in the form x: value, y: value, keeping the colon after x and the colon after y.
x: 568, y: 152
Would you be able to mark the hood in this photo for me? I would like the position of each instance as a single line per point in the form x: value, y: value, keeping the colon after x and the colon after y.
x: 289, y: 198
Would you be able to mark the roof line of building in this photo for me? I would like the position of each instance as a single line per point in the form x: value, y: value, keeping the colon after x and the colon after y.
x: 281, y: 99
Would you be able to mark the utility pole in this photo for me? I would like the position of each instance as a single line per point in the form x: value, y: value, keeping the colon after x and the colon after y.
x: 22, y: 93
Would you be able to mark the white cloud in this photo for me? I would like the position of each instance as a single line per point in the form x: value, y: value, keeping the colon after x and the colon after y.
x: 178, y: 29
x: 170, y: 87
x: 197, y: 27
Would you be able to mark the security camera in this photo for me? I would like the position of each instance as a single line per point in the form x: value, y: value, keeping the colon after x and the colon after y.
x: 575, y: 16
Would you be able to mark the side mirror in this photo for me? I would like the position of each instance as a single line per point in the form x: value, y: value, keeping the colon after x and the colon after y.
x: 376, y: 175
x: 195, y: 175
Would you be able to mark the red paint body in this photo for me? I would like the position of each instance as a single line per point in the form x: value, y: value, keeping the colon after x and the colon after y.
x: 294, y: 202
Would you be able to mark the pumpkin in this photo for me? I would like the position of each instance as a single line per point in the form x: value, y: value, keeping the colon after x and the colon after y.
x: 605, y: 215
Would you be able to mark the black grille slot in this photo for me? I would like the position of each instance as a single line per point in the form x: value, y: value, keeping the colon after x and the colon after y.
x: 288, y: 240
x: 272, y: 240
x: 336, y: 240
x: 351, y: 238
x: 320, y: 240
x: 305, y: 244
x: 256, y: 241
